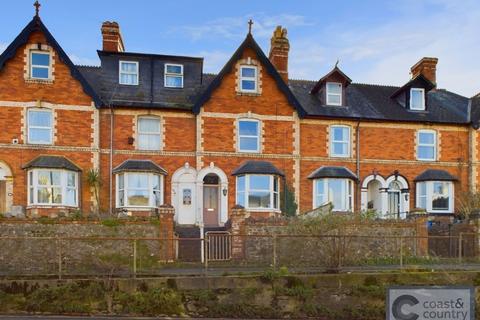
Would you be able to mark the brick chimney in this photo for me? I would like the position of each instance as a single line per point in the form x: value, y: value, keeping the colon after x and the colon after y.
x: 279, y: 47
x: 427, y: 67
x: 111, y: 37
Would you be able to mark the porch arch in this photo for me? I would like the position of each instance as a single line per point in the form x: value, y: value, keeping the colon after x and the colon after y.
x: 223, y: 184
x: 373, y: 192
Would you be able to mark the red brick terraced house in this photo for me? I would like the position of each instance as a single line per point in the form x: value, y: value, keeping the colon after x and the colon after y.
x: 161, y: 131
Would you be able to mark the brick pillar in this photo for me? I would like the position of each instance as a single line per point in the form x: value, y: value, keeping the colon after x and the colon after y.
x: 238, y: 215
x: 421, y: 230
x: 167, y: 231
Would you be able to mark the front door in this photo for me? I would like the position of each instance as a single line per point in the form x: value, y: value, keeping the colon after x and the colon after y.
x: 394, y: 204
x: 210, y: 205
x: 3, y: 196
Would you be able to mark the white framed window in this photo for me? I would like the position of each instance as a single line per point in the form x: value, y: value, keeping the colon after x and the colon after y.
x: 39, y: 126
x: 149, y: 133
x: 417, y: 99
x: 337, y: 191
x: 340, y: 141
x: 436, y: 196
x: 53, y: 187
x: 173, y: 75
x: 248, y: 78
x: 128, y: 73
x: 334, y: 94
x: 258, y: 192
x: 248, y: 135
x: 426, y: 145
x: 40, y: 65
x: 139, y: 190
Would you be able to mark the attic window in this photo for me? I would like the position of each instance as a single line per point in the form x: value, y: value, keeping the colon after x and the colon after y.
x: 173, y: 75
x: 40, y: 65
x: 128, y: 74
x: 248, y: 79
x: 334, y: 94
x: 417, y: 99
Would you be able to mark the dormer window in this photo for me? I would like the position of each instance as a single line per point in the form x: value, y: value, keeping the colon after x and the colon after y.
x: 248, y: 79
x: 40, y: 65
x: 417, y: 99
x: 334, y: 94
x: 173, y: 75
x: 128, y: 74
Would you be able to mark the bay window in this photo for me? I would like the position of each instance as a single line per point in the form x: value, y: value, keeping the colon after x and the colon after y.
x: 258, y: 192
x: 435, y: 196
x: 139, y: 189
x: 53, y: 187
x: 337, y: 191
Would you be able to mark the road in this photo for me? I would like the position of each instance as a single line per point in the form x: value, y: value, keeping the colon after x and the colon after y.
x: 3, y: 317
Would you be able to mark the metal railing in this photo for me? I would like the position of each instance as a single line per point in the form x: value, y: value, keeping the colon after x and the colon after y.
x: 65, y: 257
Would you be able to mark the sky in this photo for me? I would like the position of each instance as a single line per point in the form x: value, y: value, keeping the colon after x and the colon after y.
x: 375, y: 41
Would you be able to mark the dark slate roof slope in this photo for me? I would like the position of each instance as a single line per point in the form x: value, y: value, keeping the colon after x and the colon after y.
x: 140, y: 166
x: 475, y: 111
x: 37, y: 25
x: 257, y: 167
x: 143, y: 95
x: 374, y: 102
x: 435, y: 175
x: 51, y: 162
x: 332, y: 172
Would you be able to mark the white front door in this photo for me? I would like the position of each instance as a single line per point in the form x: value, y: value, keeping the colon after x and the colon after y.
x: 184, y: 195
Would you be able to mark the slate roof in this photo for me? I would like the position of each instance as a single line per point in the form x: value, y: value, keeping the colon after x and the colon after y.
x: 139, y: 166
x: 150, y: 91
x: 332, y: 172
x: 374, y: 102
x: 51, y: 162
x: 435, y: 175
x: 475, y: 111
x: 37, y: 25
x: 257, y: 167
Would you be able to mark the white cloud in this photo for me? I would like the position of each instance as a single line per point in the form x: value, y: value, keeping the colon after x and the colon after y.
x: 83, y: 61
x: 384, y: 54
x: 235, y: 27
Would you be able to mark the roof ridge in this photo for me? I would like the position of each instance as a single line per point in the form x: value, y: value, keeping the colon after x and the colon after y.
x: 375, y: 85
x: 87, y: 66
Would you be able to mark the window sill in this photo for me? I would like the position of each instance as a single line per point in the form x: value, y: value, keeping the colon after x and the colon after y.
x: 249, y: 151
x: 39, y: 81
x: 51, y: 206
x: 263, y: 210
x: 132, y: 208
x: 251, y: 94
x: 340, y: 157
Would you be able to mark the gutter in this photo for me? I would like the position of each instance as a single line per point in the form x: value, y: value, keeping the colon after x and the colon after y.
x: 357, y: 149
x: 112, y: 122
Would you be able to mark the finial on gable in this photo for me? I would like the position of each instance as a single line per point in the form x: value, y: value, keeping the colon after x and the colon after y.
x: 250, y: 23
x: 37, y: 6
x: 336, y: 63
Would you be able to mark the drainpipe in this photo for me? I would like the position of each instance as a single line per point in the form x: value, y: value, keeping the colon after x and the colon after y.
x: 358, y: 195
x: 111, y: 161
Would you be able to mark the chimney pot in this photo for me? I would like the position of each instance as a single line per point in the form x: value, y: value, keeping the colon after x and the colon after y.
x: 111, y: 37
x: 279, y: 48
x: 427, y: 67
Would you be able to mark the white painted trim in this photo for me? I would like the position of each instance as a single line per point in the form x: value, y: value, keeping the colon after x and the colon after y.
x: 49, y: 67
x: 349, y: 196
x: 422, y: 107
x: 120, y: 72
x: 51, y: 128
x: 254, y: 78
x: 327, y: 93
x: 331, y: 141
x: 63, y: 186
x: 429, y: 196
x: 159, y: 133
x: 434, y: 145
x: 170, y: 74
x: 258, y: 136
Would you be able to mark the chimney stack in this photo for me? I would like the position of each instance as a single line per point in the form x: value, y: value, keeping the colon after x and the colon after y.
x: 279, y: 48
x: 426, y: 67
x: 111, y: 37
